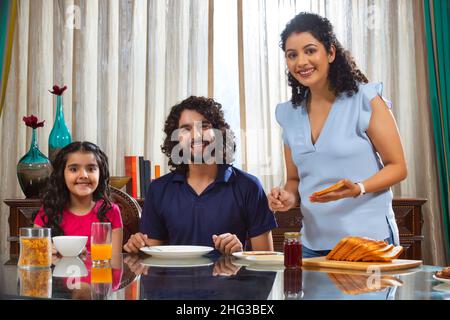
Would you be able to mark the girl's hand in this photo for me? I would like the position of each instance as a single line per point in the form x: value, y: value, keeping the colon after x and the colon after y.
x: 54, y: 251
x: 281, y: 200
x: 349, y: 190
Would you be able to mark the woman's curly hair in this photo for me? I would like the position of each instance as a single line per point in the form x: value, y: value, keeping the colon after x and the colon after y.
x: 212, y: 111
x: 343, y: 75
x: 56, y: 196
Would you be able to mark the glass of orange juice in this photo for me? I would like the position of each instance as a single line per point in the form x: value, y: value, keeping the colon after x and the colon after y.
x: 101, y: 242
x: 101, y: 282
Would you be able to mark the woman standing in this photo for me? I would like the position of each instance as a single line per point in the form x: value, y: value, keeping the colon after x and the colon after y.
x: 335, y: 127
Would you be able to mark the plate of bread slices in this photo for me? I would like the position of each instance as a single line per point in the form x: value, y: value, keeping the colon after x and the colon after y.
x: 361, y: 253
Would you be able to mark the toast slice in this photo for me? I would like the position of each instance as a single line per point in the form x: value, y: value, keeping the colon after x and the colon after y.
x: 351, y: 246
x: 388, y: 256
x: 337, y: 247
x: 342, y: 248
x: 334, y: 187
x: 367, y: 247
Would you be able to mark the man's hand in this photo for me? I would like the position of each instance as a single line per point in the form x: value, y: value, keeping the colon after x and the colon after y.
x: 227, y: 243
x: 136, y: 241
x: 134, y: 264
x: 224, y: 267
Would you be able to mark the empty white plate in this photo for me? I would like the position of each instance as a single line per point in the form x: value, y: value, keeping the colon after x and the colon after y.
x: 246, y: 254
x: 441, y: 279
x: 176, y: 252
x: 177, y: 263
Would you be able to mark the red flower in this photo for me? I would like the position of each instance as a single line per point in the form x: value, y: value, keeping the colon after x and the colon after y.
x: 57, y: 90
x: 32, y: 121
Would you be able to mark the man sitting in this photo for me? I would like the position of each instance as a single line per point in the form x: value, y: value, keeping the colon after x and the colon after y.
x: 204, y: 200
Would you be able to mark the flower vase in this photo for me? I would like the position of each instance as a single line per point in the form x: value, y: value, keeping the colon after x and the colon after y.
x: 60, y: 135
x: 33, y: 170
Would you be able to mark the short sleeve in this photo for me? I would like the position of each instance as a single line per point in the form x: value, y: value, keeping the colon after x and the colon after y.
x: 115, y: 217
x: 369, y: 91
x: 260, y: 218
x: 41, y: 217
x: 280, y: 119
x: 152, y: 224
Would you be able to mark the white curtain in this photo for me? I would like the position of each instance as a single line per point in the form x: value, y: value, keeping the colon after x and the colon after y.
x: 127, y: 62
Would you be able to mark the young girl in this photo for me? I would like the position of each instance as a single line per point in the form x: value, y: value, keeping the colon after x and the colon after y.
x: 78, y: 195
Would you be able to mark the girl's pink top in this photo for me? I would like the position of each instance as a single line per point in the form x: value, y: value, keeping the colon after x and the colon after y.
x: 75, y: 225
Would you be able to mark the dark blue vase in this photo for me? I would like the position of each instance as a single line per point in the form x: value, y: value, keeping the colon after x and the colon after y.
x: 33, y: 170
x: 59, y: 136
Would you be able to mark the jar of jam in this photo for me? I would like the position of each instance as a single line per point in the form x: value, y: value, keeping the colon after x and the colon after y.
x: 293, y: 288
x: 292, y: 250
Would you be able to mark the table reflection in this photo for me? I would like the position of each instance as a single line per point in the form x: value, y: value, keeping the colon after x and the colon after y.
x: 134, y: 277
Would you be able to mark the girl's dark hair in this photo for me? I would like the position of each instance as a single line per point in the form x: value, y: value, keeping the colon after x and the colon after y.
x: 212, y: 111
x: 56, y: 195
x: 343, y: 74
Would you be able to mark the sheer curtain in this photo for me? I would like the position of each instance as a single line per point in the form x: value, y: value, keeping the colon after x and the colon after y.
x: 125, y: 64
x: 387, y: 40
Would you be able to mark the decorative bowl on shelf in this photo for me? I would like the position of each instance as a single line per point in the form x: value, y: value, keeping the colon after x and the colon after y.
x: 119, y: 182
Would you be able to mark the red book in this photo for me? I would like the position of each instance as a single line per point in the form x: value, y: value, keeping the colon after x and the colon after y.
x: 131, y: 171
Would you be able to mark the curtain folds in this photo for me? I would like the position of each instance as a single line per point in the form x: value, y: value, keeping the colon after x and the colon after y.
x: 127, y: 62
x: 437, y: 17
x: 8, y: 16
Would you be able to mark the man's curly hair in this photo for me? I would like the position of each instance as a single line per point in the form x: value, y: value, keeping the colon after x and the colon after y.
x: 212, y: 111
x: 343, y: 75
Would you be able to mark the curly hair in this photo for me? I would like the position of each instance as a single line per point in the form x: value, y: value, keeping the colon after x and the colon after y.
x: 343, y: 74
x: 56, y: 195
x: 212, y: 111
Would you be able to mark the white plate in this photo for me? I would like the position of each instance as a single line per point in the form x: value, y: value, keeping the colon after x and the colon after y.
x: 70, y: 267
x: 176, y: 263
x: 441, y: 279
x: 246, y: 254
x: 240, y: 262
x: 177, y: 252
x: 260, y: 267
x: 267, y: 260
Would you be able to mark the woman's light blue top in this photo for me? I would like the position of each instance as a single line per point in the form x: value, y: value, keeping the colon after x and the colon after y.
x: 342, y: 151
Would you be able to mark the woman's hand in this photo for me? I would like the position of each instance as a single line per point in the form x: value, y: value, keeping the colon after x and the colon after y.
x: 349, y: 190
x: 281, y: 200
x: 227, y: 243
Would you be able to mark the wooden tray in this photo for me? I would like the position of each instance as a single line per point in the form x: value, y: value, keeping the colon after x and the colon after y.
x: 398, y: 264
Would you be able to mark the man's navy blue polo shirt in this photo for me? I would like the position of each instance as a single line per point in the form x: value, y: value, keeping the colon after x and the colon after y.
x: 235, y: 202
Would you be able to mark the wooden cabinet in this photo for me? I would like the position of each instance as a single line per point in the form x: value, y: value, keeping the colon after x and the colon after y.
x: 20, y: 215
x: 408, y: 214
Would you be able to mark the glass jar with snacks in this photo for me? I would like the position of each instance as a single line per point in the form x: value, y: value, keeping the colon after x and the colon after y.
x: 35, y: 248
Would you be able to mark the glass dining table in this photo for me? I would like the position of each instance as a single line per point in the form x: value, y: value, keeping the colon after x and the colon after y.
x: 211, y: 277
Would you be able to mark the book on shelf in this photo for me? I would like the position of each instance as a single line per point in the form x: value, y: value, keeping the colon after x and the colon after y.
x: 131, y: 171
x: 139, y: 169
x: 147, y: 175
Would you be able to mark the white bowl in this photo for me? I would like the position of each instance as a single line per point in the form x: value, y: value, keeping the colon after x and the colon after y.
x: 70, y: 246
x: 70, y: 267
